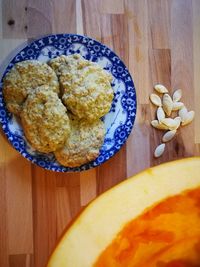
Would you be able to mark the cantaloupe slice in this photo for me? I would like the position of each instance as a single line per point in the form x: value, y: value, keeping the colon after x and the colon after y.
x: 113, y: 219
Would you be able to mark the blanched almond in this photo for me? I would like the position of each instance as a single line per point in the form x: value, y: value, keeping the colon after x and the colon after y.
x: 157, y: 125
x: 170, y: 123
x: 182, y: 113
x: 155, y: 99
x: 177, y: 95
x: 188, y: 118
x: 168, y: 136
x: 167, y: 104
x: 160, y: 88
x: 160, y: 114
x: 159, y: 150
x: 177, y: 105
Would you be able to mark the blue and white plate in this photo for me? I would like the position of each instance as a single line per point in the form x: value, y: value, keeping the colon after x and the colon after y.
x: 118, y: 122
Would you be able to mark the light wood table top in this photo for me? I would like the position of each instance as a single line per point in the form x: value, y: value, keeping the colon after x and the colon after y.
x: 159, y: 41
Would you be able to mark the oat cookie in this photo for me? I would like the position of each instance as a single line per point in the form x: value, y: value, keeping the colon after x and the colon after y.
x: 23, y: 78
x: 86, y: 87
x: 44, y: 119
x: 83, y: 144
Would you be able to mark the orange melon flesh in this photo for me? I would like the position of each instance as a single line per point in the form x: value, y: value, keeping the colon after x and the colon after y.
x: 165, y: 235
x: 120, y: 228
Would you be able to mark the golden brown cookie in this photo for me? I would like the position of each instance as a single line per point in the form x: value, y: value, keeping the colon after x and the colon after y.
x: 86, y: 87
x: 44, y: 119
x: 23, y: 78
x: 83, y: 144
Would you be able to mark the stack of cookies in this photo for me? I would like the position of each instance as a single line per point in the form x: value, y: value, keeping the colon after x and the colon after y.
x: 60, y: 105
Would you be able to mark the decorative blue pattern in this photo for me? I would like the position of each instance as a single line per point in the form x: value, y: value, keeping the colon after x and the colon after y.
x: 119, y: 121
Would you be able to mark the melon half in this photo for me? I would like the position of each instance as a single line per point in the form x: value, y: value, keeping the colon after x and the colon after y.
x: 150, y: 220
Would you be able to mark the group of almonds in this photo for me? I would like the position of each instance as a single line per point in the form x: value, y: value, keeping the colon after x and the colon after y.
x: 166, y: 105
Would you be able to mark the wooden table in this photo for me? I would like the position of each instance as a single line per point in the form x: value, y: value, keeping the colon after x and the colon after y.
x: 159, y: 41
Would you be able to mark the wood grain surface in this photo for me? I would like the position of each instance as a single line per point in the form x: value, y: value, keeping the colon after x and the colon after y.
x: 159, y: 41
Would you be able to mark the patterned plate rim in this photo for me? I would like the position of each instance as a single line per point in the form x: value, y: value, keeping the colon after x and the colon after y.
x: 34, y: 159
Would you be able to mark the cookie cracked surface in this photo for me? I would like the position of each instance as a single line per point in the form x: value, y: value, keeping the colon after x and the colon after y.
x: 23, y: 78
x: 83, y: 144
x: 86, y: 87
x: 45, y: 121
